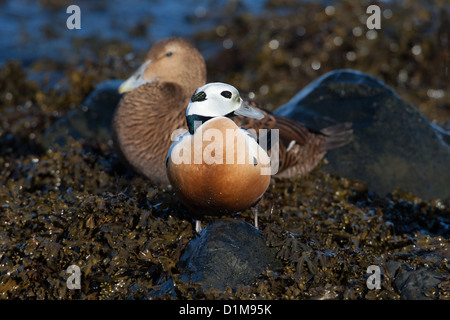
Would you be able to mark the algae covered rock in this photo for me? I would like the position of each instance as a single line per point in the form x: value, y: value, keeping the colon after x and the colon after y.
x: 394, y: 145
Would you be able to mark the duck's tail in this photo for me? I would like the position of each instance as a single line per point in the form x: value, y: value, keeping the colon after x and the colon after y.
x: 337, y: 135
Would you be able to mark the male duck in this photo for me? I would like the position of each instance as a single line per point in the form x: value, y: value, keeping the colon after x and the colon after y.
x: 217, y: 167
x: 154, y: 105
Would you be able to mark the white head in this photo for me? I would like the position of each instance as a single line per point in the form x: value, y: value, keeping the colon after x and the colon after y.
x: 219, y: 99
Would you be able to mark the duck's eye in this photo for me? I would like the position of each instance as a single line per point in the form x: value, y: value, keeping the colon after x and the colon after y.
x: 198, y: 96
x: 227, y: 94
x: 168, y: 54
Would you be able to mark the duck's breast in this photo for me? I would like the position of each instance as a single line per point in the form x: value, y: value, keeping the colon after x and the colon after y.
x: 220, y: 168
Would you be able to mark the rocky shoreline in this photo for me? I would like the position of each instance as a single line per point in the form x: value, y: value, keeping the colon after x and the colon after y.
x: 65, y: 199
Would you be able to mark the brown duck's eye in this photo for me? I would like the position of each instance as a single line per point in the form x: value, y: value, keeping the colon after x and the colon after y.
x: 227, y: 94
x: 168, y: 54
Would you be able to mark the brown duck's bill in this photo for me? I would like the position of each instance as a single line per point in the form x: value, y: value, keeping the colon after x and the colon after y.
x: 247, y: 111
x: 136, y: 79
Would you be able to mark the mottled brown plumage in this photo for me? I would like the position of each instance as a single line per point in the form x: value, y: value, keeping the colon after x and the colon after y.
x: 149, y: 113
x: 143, y: 125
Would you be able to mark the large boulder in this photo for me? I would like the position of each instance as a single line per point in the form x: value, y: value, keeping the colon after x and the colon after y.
x: 394, y: 145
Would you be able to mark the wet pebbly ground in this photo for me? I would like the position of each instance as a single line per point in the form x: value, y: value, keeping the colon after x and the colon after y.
x: 77, y: 205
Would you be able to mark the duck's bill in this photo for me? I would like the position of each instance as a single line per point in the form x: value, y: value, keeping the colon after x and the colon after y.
x: 135, y: 80
x: 247, y: 111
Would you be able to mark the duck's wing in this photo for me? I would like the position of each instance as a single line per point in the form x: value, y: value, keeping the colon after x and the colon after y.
x: 300, y: 148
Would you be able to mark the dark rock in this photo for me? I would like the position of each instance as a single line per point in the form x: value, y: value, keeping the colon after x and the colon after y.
x: 226, y: 253
x: 394, y: 145
x: 414, y: 284
x: 163, y: 289
x: 90, y: 121
x: 392, y: 266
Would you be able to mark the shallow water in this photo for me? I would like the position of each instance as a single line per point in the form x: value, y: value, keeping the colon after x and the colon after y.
x: 33, y: 30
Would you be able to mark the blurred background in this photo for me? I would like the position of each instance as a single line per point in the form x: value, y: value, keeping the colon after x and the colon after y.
x: 270, y: 49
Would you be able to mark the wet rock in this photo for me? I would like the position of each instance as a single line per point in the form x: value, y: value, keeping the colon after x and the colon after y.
x: 226, y: 253
x: 394, y: 145
x: 90, y: 121
x: 163, y: 289
x: 418, y: 284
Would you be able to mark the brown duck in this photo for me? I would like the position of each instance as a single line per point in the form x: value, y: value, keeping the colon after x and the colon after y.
x: 154, y: 107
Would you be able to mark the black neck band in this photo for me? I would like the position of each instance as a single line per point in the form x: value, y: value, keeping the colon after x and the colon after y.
x: 195, y: 120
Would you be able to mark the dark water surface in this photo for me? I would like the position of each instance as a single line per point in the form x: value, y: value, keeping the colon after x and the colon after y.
x: 32, y: 30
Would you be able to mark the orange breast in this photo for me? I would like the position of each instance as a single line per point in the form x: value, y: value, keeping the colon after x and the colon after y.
x: 218, y: 169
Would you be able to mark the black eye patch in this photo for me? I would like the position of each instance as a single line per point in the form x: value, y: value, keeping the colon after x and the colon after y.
x: 227, y: 94
x: 198, y: 96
